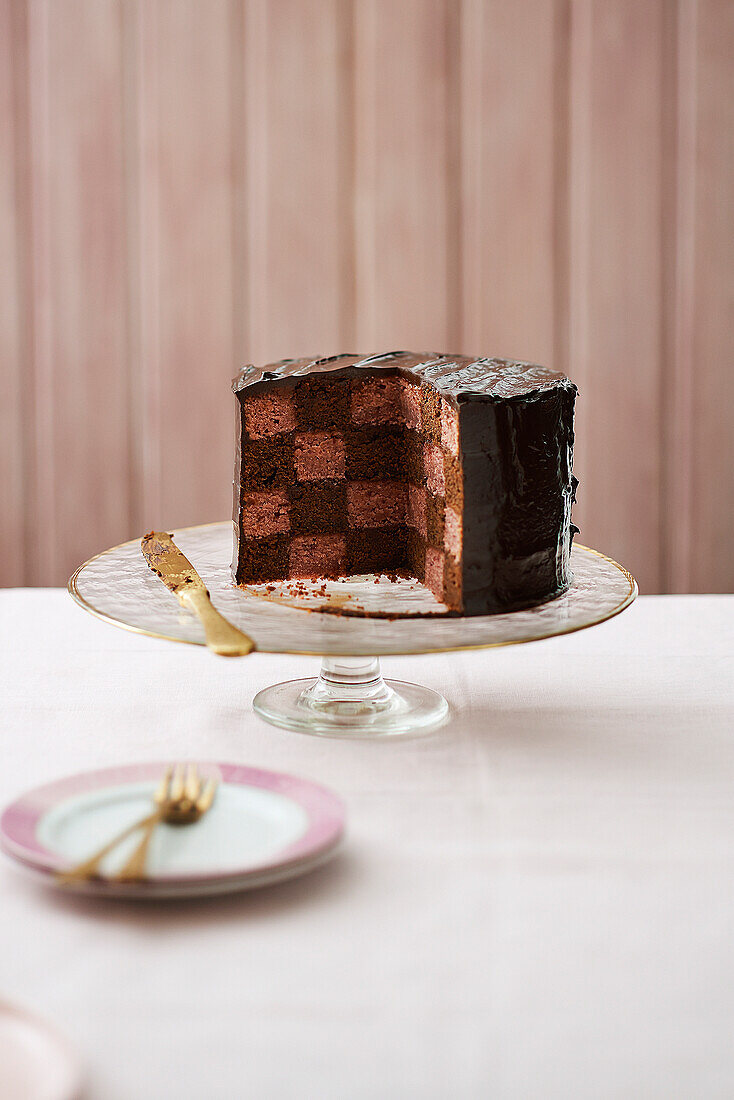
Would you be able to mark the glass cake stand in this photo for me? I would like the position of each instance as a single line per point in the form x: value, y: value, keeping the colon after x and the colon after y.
x: 349, y: 697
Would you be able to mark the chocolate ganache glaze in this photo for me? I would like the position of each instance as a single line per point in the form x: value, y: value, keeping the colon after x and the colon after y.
x: 452, y: 468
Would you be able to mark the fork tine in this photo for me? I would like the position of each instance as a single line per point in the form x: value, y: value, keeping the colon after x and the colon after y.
x: 206, y: 797
x: 161, y: 791
x: 193, y: 786
x: 176, y: 788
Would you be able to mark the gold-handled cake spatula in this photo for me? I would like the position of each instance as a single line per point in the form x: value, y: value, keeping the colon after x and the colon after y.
x: 180, y: 577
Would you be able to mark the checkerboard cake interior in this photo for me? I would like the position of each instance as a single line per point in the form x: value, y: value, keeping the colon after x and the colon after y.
x: 340, y: 477
x: 350, y: 466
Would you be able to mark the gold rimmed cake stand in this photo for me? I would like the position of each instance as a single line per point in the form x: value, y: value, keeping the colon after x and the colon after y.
x: 349, y: 697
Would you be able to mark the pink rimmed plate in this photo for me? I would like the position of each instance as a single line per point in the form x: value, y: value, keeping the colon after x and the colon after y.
x: 264, y: 827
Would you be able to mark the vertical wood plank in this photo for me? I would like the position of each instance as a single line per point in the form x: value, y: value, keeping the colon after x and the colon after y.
x: 407, y: 282
x: 181, y: 229
x: 81, y: 461
x: 679, y: 202
x: 616, y: 283
x: 13, y: 350
x: 710, y: 369
x: 513, y: 124
x: 297, y: 177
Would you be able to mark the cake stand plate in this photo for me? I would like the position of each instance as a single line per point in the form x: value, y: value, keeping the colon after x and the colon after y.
x: 312, y: 618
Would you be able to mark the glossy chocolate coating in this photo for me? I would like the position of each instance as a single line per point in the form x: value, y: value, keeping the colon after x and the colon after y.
x: 516, y: 446
x: 458, y: 378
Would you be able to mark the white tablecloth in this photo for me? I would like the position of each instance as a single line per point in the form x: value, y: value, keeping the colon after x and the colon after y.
x: 535, y: 901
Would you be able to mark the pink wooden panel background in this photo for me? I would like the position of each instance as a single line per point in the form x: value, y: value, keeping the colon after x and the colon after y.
x: 187, y: 186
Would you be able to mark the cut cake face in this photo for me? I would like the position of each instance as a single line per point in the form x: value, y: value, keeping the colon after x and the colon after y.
x: 350, y: 466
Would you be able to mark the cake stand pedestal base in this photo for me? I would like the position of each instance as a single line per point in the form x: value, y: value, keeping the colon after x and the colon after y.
x: 351, y: 699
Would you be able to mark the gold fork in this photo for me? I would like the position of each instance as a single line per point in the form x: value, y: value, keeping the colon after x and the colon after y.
x: 180, y: 798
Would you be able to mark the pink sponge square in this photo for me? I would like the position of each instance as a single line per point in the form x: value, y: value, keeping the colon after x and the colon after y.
x: 433, y: 469
x: 450, y: 429
x: 410, y: 403
x: 265, y: 513
x: 269, y: 414
x: 319, y: 455
x: 452, y: 532
x: 435, y: 560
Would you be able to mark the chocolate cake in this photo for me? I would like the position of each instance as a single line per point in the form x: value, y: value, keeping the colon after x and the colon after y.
x: 451, y: 469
